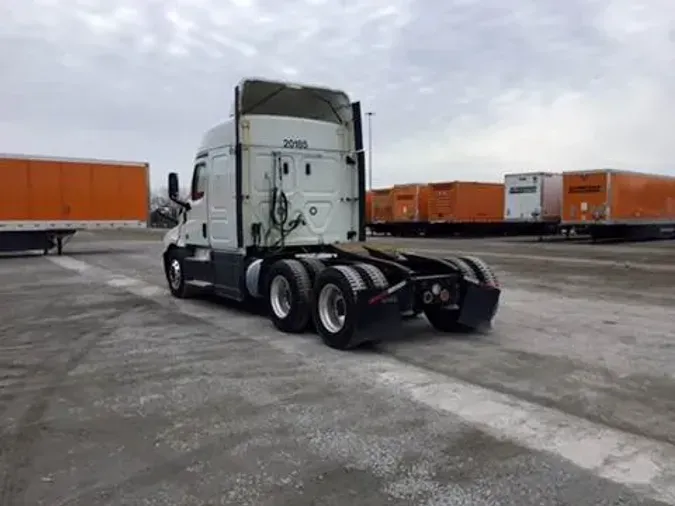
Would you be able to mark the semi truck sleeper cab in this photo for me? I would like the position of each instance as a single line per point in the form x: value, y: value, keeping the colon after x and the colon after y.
x: 276, y: 212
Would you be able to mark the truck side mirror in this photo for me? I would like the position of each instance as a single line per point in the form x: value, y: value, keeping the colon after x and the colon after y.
x: 173, y: 185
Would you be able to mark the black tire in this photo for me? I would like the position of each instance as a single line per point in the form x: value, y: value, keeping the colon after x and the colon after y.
x: 482, y: 270
x: 173, y: 270
x: 346, y: 282
x: 289, y: 279
x: 462, y: 267
x: 372, y: 275
x: 373, y: 278
x: 379, y: 281
x: 314, y: 267
x: 484, y: 274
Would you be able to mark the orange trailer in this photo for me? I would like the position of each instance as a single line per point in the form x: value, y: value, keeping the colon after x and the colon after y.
x: 466, y: 202
x: 46, y: 199
x: 381, y: 210
x: 616, y: 202
x: 410, y: 203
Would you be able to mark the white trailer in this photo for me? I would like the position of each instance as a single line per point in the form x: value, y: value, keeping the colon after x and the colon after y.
x: 276, y: 214
x: 533, y: 197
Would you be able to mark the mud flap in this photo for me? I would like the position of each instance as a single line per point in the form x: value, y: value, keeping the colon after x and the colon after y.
x: 479, y: 306
x: 376, y: 322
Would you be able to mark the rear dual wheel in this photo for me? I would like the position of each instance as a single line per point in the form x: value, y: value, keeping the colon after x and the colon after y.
x: 304, y: 291
x: 335, y: 308
x: 289, y: 291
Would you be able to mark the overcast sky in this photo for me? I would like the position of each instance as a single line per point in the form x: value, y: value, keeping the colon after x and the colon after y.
x: 462, y: 89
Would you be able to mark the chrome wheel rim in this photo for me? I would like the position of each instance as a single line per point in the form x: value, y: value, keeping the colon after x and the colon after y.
x: 281, y: 298
x: 175, y: 274
x: 332, y: 308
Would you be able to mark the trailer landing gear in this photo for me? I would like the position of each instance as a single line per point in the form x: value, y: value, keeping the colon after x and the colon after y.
x: 56, y: 240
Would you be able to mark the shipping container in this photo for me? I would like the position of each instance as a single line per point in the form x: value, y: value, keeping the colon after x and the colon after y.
x: 533, y: 197
x: 47, y: 199
x: 615, y: 202
x: 381, y: 205
x: 466, y: 202
x: 410, y: 203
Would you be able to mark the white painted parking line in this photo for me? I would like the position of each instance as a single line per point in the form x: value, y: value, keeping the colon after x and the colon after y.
x: 644, y: 465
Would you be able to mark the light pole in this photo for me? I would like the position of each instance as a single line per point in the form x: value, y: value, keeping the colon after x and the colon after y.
x: 370, y: 149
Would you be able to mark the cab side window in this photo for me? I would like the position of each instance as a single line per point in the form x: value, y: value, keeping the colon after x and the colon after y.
x: 199, y: 181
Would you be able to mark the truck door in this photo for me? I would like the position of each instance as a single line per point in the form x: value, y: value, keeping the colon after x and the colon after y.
x: 196, y: 227
x: 222, y: 201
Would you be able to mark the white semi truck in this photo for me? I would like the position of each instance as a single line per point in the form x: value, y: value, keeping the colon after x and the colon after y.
x: 276, y: 212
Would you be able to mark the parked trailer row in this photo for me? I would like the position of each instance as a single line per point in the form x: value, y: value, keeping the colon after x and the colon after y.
x: 46, y: 200
x: 437, y: 208
x: 603, y: 203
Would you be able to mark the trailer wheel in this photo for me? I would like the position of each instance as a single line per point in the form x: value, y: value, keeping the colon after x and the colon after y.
x: 335, y: 305
x: 173, y: 269
x: 289, y: 292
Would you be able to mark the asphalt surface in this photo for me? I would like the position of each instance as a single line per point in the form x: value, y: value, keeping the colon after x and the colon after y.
x: 112, y: 392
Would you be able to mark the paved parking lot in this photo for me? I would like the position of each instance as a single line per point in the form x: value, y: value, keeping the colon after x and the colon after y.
x: 111, y: 392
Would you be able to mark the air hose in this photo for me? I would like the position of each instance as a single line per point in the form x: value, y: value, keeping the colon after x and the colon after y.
x: 278, y: 214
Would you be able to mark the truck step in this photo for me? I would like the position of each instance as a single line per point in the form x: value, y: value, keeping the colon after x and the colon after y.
x: 198, y: 284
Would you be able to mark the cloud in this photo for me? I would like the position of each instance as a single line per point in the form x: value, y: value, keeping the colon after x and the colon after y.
x: 463, y: 89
